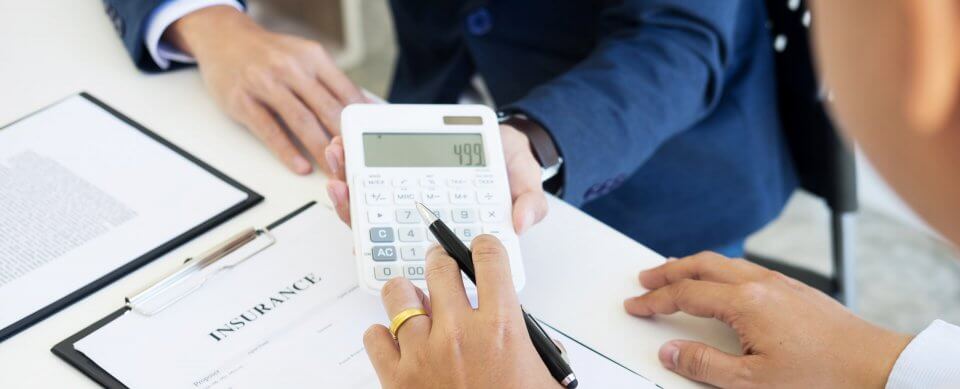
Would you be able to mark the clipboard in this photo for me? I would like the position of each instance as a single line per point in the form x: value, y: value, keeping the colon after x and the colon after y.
x: 171, y: 288
x: 252, y: 198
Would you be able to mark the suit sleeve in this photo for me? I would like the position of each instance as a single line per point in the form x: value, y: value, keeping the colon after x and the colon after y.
x: 657, y: 70
x: 131, y: 19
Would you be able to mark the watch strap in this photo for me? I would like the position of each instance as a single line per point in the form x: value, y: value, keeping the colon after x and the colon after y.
x: 541, y: 143
x: 542, y: 147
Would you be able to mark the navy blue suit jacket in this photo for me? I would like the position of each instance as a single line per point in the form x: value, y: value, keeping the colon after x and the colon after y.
x: 664, y: 110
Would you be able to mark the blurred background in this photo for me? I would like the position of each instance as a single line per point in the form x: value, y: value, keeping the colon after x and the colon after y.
x: 906, y: 276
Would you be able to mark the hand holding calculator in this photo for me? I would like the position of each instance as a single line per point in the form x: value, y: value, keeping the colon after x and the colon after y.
x: 448, y: 157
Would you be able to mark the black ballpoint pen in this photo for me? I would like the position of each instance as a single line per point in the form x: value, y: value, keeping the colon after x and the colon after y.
x: 549, y: 352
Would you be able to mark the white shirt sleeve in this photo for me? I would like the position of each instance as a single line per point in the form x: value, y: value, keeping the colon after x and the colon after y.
x: 162, y: 17
x: 931, y: 360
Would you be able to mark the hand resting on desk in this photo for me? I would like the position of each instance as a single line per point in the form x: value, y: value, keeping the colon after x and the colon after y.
x: 791, y: 334
x: 523, y: 171
x: 284, y: 89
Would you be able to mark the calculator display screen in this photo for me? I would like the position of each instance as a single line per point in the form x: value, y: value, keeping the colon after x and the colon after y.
x: 423, y: 150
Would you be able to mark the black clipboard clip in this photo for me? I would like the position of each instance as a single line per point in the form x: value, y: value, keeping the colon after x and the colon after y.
x: 195, y: 271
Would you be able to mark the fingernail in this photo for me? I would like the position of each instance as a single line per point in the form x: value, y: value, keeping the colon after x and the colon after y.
x: 669, y: 355
x: 333, y: 196
x: 527, y: 221
x: 332, y: 162
x: 301, y: 165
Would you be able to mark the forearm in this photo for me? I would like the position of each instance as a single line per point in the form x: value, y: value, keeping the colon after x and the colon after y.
x: 647, y: 81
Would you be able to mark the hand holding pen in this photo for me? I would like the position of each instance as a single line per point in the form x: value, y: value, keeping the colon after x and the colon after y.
x: 441, y: 341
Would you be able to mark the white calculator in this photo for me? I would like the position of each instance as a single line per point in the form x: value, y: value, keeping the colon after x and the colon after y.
x: 449, y: 157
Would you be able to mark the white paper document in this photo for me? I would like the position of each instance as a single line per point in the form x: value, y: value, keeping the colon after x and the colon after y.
x: 83, y: 193
x: 290, y: 316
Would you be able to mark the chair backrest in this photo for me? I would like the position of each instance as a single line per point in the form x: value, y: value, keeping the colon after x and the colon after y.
x: 824, y: 163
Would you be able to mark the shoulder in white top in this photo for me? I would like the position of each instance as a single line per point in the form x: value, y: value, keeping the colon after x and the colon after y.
x: 931, y: 360
x: 162, y: 17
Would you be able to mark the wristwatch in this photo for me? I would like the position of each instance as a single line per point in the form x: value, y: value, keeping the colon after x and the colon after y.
x: 542, y: 146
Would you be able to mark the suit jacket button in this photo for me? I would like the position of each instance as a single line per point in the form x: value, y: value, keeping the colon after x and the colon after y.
x: 479, y: 22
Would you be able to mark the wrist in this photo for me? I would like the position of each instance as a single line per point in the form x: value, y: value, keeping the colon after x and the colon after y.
x: 541, y: 145
x: 880, y: 359
x: 199, y: 29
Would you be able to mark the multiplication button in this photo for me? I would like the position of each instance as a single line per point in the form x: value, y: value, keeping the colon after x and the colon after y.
x: 492, y: 214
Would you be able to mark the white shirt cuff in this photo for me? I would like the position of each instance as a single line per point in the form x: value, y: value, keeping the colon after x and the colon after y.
x: 931, y: 360
x: 163, y: 16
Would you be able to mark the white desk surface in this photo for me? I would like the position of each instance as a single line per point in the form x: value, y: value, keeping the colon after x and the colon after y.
x: 53, y: 48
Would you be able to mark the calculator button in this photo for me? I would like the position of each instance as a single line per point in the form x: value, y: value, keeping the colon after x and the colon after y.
x: 378, y: 216
x: 487, y: 197
x: 408, y: 216
x: 381, y: 234
x: 413, y: 271
x: 403, y: 182
x: 386, y: 272
x: 384, y: 253
x: 413, y: 253
x: 429, y: 182
x: 374, y: 182
x: 492, y: 214
x: 464, y: 215
x: 405, y: 196
x: 433, y: 196
x: 411, y: 234
x: 378, y: 198
x: 459, y: 182
x: 441, y: 214
x: 461, y: 197
x: 498, y: 231
x: 468, y: 233
x: 431, y: 237
x: 483, y: 181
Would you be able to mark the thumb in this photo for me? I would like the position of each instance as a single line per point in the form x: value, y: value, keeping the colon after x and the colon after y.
x: 703, y: 363
x: 340, y: 198
x: 528, y: 209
